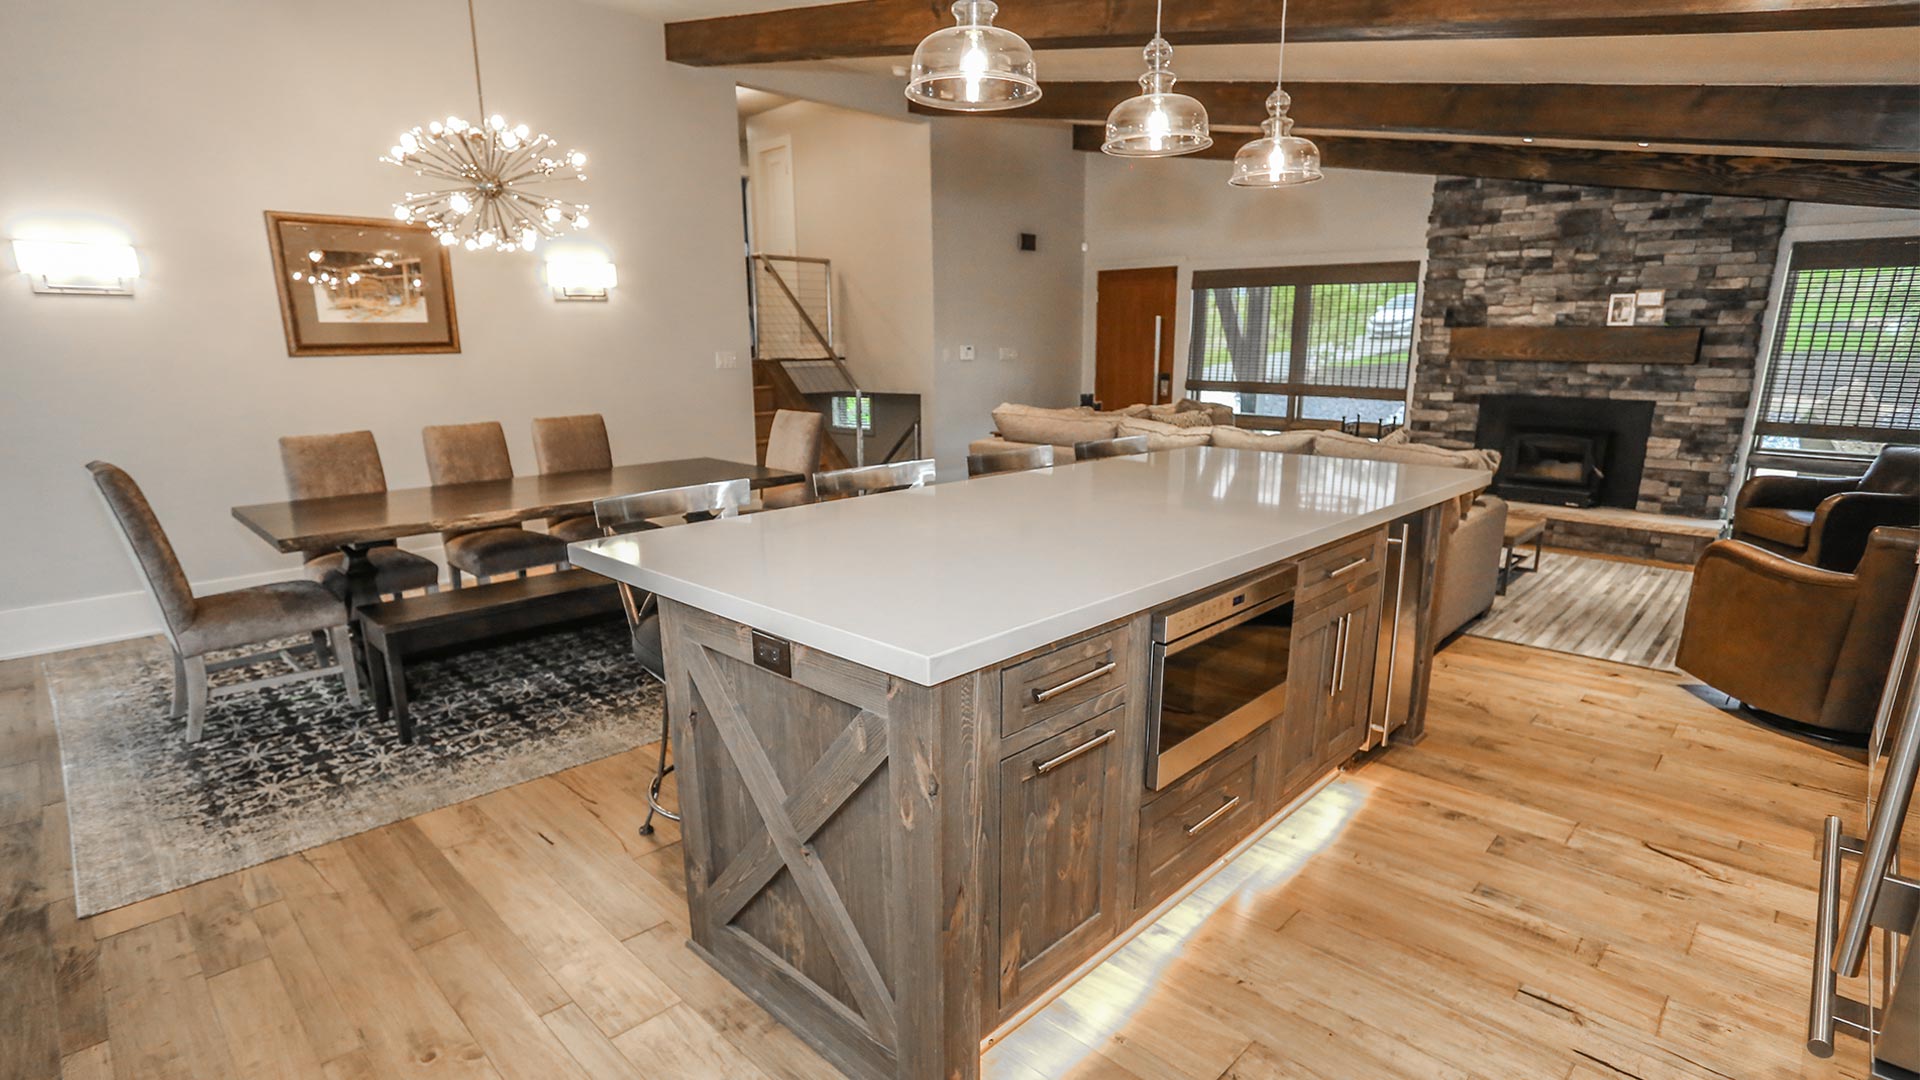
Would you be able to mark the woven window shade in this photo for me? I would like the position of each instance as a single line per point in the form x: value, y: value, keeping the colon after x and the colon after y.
x: 1846, y: 351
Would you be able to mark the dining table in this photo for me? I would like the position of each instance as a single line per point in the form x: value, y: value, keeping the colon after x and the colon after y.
x: 355, y: 524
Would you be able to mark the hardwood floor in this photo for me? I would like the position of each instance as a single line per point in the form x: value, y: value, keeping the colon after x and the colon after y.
x: 1583, y: 872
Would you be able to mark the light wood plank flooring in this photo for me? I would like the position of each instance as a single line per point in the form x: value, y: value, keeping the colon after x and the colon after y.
x: 1582, y: 873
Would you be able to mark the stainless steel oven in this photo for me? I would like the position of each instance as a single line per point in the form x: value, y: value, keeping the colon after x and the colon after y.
x: 1219, y: 672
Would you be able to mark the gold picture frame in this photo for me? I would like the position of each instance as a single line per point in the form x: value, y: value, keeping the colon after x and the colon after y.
x: 352, y: 286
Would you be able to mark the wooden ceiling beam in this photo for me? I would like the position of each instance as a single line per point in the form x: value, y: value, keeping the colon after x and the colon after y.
x: 1867, y: 119
x: 894, y: 27
x: 1857, y: 183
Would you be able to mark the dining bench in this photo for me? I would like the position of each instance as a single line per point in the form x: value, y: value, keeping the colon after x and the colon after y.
x: 396, y: 630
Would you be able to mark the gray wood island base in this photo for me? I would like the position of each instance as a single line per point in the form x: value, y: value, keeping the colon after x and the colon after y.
x: 896, y: 866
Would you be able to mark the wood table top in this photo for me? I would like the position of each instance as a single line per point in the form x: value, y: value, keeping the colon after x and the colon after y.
x: 311, y: 524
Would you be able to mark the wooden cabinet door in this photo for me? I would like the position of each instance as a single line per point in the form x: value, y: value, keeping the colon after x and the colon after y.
x: 1351, y: 700
x: 1060, y: 830
x: 1300, y: 739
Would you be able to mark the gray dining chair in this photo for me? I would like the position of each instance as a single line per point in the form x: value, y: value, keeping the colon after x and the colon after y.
x: 564, y: 444
x: 475, y: 453
x: 873, y: 479
x: 198, y: 625
x: 329, y: 466
x: 1124, y: 446
x: 1020, y: 460
x: 793, y: 445
x: 649, y: 510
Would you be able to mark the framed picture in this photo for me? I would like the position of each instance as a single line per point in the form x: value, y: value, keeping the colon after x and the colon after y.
x: 356, y: 286
x: 1652, y: 316
x: 1650, y: 298
x: 1620, y: 309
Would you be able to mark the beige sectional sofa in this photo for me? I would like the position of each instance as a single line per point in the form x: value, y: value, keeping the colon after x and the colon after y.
x: 1469, y: 564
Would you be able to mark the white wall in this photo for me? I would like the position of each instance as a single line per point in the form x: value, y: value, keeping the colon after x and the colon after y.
x: 1181, y: 212
x: 179, y: 130
x: 992, y: 181
x: 862, y: 196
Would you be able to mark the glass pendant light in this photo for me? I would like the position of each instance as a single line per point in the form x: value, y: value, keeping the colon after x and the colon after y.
x: 1278, y: 158
x: 974, y: 66
x: 1157, y: 122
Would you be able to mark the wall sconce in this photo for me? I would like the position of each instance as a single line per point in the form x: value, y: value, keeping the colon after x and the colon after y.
x: 77, y: 269
x: 581, y: 279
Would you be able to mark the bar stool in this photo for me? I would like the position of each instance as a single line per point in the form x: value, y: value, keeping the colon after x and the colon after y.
x: 999, y: 461
x: 1124, y: 446
x: 635, y: 513
x: 873, y: 479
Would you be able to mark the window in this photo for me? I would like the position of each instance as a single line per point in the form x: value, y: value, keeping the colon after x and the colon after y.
x: 843, y: 412
x: 1844, y: 377
x: 1351, y: 329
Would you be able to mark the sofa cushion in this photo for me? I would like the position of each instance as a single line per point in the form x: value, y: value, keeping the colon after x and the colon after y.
x: 993, y: 444
x: 1165, y: 436
x: 1279, y: 442
x: 1055, y: 427
x: 1788, y: 528
x: 1407, y: 454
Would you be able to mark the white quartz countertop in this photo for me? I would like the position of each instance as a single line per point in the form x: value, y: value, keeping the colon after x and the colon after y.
x: 932, y: 583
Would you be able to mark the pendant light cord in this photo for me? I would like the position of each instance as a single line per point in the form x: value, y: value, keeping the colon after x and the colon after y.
x: 473, y: 36
x: 1157, y: 5
x: 1279, y: 73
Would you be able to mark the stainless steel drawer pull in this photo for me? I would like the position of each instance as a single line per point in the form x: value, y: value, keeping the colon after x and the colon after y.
x: 1350, y: 567
x: 1213, y: 817
x: 1828, y: 1012
x: 1078, y: 680
x: 1051, y: 764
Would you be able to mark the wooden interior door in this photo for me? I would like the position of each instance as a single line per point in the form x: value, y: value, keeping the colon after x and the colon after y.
x: 1135, y: 310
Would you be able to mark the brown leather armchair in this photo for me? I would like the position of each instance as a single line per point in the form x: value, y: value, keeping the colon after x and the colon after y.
x: 1811, y: 645
x: 1824, y: 521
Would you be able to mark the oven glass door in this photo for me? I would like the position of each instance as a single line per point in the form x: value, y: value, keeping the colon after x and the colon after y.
x: 1218, y: 684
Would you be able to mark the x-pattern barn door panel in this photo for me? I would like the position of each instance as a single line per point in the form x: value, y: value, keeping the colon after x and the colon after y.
x: 800, y: 794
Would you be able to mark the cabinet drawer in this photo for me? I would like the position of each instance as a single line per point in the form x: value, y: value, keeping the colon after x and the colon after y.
x: 1197, y: 820
x: 1340, y: 567
x: 1086, y: 677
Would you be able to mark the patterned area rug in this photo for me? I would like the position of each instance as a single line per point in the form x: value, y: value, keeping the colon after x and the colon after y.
x: 291, y: 767
x: 1601, y: 608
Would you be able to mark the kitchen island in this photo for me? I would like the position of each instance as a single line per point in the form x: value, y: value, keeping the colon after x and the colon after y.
x: 939, y: 748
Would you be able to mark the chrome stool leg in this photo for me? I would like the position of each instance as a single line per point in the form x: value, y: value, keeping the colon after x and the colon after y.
x: 653, y: 789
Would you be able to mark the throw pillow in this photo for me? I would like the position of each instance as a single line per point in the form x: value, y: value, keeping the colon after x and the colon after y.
x: 1397, y: 437
x: 1164, y: 436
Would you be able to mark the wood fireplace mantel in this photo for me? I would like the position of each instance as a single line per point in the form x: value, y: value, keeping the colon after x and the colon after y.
x: 1578, y: 344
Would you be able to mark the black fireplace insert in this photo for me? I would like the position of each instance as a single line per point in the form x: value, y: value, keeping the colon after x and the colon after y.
x: 1566, y: 451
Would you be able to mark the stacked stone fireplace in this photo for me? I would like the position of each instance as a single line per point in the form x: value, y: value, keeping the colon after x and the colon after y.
x: 1514, y: 253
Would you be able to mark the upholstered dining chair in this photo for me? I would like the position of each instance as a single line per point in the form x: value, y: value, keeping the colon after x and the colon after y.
x: 1124, y: 446
x: 198, y: 625
x: 793, y: 445
x: 475, y: 453
x: 564, y: 444
x: 873, y: 479
x: 327, y: 466
x: 1017, y: 460
x: 647, y: 510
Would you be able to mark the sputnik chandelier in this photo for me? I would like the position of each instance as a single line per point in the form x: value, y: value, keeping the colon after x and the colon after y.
x: 490, y: 165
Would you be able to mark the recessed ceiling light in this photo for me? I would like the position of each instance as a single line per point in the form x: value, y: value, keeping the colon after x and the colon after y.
x: 1526, y: 138
x: 1643, y: 144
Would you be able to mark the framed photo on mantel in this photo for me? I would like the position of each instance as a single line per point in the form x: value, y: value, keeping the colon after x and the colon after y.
x: 360, y: 286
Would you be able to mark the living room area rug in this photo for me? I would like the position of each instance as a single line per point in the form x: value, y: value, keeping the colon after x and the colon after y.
x: 286, y: 768
x: 1606, y: 609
